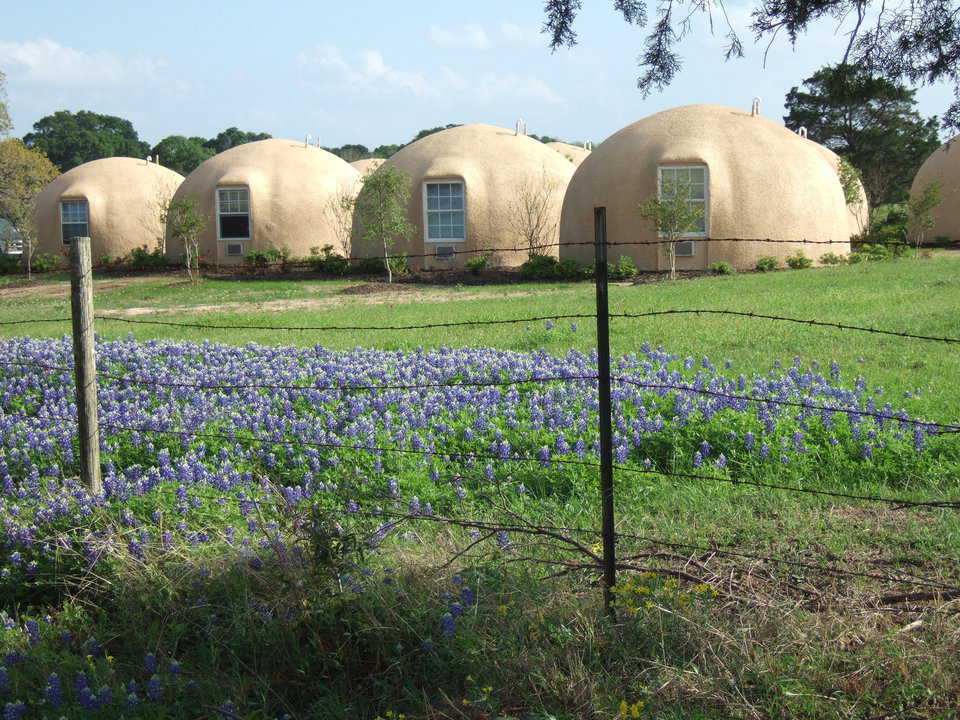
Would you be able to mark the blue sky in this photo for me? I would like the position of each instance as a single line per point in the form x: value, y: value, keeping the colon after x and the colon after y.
x: 373, y: 72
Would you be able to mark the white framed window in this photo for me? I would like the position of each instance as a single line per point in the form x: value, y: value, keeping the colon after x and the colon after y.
x: 233, y: 213
x: 693, y: 182
x: 444, y: 211
x: 74, y: 220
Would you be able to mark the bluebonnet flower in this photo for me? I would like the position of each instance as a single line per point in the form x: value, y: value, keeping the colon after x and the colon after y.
x: 4, y: 679
x: 150, y: 663
x: 14, y: 710
x: 697, y: 459
x: 448, y: 625
x: 53, y: 692
x: 721, y: 461
x: 154, y: 688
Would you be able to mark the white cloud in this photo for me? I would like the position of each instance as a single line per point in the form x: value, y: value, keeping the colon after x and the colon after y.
x: 369, y: 74
x: 45, y: 62
x: 471, y: 36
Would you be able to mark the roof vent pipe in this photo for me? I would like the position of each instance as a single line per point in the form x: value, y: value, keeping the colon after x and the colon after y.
x: 157, y: 160
x: 755, y: 107
x: 306, y: 140
x: 149, y: 159
x: 521, y: 127
x: 802, y: 132
x: 588, y: 145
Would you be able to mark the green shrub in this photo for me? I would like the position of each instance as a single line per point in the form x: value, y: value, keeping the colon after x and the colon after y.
x: 832, y: 258
x: 140, y: 257
x: 623, y: 269
x: 799, y: 261
x: 44, y: 262
x: 478, y: 263
x: 10, y: 264
x: 767, y: 263
x: 328, y: 262
x: 855, y: 257
x: 539, y: 267
x: 568, y: 269
x: 722, y: 268
x: 588, y: 271
x: 368, y: 266
x: 262, y: 258
x: 941, y: 240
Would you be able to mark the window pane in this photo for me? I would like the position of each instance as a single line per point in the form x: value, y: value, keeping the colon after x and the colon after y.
x: 444, y: 202
x: 696, y: 191
x: 697, y: 175
x: 456, y: 202
x: 234, y: 226
x: 432, y: 190
x: 433, y: 202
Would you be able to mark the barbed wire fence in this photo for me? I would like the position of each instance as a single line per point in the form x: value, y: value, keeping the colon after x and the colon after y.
x: 605, y: 560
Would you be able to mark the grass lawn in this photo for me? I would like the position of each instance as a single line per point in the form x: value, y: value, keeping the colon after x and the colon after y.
x: 221, y: 592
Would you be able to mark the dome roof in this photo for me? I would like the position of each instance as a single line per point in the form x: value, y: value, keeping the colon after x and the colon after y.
x: 573, y: 153
x: 124, y: 198
x: 764, y: 182
x: 291, y: 189
x: 367, y: 165
x: 496, y: 166
x: 942, y: 166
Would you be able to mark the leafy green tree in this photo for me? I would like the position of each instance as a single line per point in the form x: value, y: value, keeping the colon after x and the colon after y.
x: 70, y: 140
x: 920, y: 211
x: 385, y: 151
x: 916, y: 42
x: 185, y: 224
x: 673, y: 216
x: 5, y: 123
x: 351, y: 153
x: 231, y: 137
x: 181, y: 153
x: 381, y: 211
x: 870, y: 122
x: 23, y: 173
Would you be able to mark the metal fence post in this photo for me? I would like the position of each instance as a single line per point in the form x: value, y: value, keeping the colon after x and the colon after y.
x: 605, y: 419
x: 84, y: 362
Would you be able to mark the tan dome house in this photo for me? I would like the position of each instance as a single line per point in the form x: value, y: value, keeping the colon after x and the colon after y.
x: 573, y: 153
x: 117, y: 202
x: 479, y: 186
x: 269, y: 194
x: 942, y: 166
x: 752, y: 178
x: 367, y: 165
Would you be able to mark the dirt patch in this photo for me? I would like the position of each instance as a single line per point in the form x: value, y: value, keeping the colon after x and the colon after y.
x: 375, y: 288
x: 46, y: 289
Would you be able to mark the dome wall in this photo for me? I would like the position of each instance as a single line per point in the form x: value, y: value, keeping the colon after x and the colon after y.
x: 763, y: 181
x: 942, y: 166
x: 498, y: 169
x: 125, y: 199
x: 858, y: 213
x: 292, y: 191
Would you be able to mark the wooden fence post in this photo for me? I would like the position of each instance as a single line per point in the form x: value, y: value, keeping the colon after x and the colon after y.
x: 85, y: 362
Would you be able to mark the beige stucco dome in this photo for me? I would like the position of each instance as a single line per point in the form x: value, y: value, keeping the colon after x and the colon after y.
x: 573, y: 153
x: 124, y: 201
x: 762, y: 181
x: 367, y: 165
x: 858, y: 212
x: 291, y: 192
x: 942, y: 166
x: 490, y: 171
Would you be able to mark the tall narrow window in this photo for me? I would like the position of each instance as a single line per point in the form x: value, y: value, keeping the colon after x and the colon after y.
x: 443, y: 209
x: 73, y: 220
x: 233, y: 209
x: 691, y: 183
